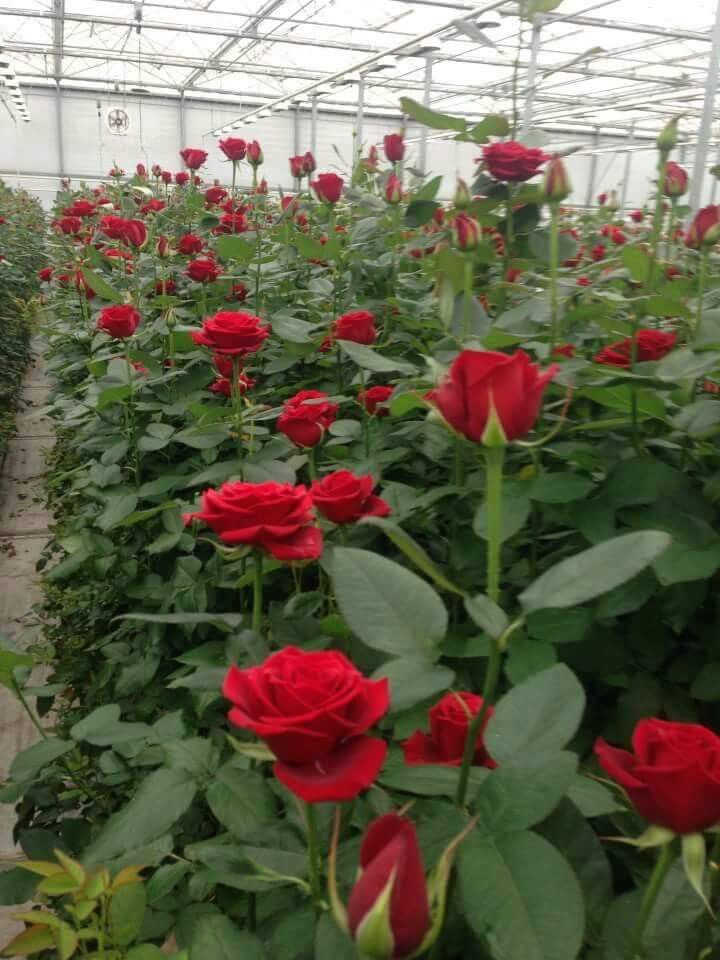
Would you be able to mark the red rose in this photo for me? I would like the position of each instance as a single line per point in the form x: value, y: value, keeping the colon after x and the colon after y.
x: 167, y: 177
x: 449, y: 725
x: 394, y: 146
x: 190, y: 243
x: 651, y: 345
x: 309, y: 163
x: 232, y: 223
x: 328, y: 187
x: 617, y: 236
x: 393, y: 189
x: 481, y: 383
x: 232, y: 333
x: 69, y: 225
x: 598, y: 252
x: 156, y: 170
x: 45, y: 275
x: 182, y: 177
x: 602, y: 199
x: 344, y: 497
x: 215, y: 195
x: 120, y: 321
x: 275, y: 517
x: 116, y: 172
x: 297, y: 167
x: 637, y: 216
x: 80, y: 208
x: 233, y: 148
x: 224, y: 386
x: 584, y: 282
x: 238, y: 293
x: 511, y: 162
x: 375, y: 399
x: 672, y: 776
x: 140, y: 170
x: 162, y: 247
x: 165, y: 287
x: 306, y: 417
x: 203, y: 270
x: 705, y: 228
x: 556, y: 184
x: 391, y: 868
x: 254, y: 154
x: 132, y: 232
x: 357, y: 326
x: 193, y: 159
x: 153, y: 206
x: 675, y: 181
x: 313, y: 709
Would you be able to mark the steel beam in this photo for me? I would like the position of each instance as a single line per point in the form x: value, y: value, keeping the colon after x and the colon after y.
x: 313, y: 125
x: 593, y: 171
x: 531, y: 76
x: 427, y: 93
x: 359, y: 117
x: 701, y: 151
x: 626, y: 171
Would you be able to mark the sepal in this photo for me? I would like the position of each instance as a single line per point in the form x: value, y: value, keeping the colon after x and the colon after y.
x: 694, y: 855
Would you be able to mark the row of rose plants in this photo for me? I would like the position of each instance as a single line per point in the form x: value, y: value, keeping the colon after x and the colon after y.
x: 379, y: 609
x: 21, y: 256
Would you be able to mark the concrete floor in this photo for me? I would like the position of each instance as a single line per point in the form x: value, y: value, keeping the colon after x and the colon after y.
x: 23, y: 533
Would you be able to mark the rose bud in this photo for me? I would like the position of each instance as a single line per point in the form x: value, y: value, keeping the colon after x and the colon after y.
x: 375, y: 400
x: 182, y: 177
x: 462, y: 197
x: 309, y: 164
x: 306, y: 417
x: 357, y: 326
x: 192, y: 158
x: 297, y: 168
x: 254, y: 154
x: 492, y: 398
x: 612, y: 203
x: 190, y: 243
x: 119, y: 321
x: 389, y: 909
x: 343, y: 497
x: 167, y: 177
x: 233, y: 148
x: 141, y: 170
x: 465, y: 232
x: 672, y: 777
x: 637, y: 216
x: 393, y: 189
x: 675, y: 181
x: 394, y: 146
x: 449, y: 725
x: 328, y: 187
x: 705, y: 228
x: 556, y: 183
x: 156, y: 170
x: 203, y: 270
x: 667, y: 138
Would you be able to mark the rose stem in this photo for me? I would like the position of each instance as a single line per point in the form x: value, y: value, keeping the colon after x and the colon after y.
x: 314, y: 861
x: 237, y: 406
x: 634, y: 944
x: 494, y: 459
x: 257, y: 593
x: 554, y: 258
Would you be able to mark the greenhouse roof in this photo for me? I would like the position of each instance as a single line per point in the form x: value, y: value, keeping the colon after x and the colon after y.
x: 609, y: 64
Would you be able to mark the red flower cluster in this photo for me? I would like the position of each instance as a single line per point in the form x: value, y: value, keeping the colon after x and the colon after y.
x: 650, y: 345
x: 131, y: 232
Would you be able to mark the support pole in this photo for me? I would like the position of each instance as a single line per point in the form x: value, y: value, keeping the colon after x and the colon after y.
x: 531, y: 77
x: 360, y: 117
x: 313, y: 124
x: 713, y: 194
x: 181, y: 119
x: 427, y: 92
x: 296, y: 129
x: 626, y: 171
x: 701, y: 150
x: 593, y: 170
x: 59, y: 131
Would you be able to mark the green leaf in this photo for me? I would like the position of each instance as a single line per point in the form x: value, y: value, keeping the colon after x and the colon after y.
x: 493, y: 125
x: 683, y: 364
x: 429, y: 190
x: 706, y: 684
x: 147, y: 951
x: 520, y: 892
x: 157, y: 804
x: 649, y: 404
x: 413, y: 680
x: 570, y: 626
x: 9, y: 662
x: 369, y: 359
x: 332, y: 943
x: 560, y: 487
x: 240, y: 799
x: 101, y: 287
x: 487, y: 614
x: 388, y: 607
x: 636, y: 261
x: 231, y: 247
x: 215, y: 937
x: 420, y: 212
x: 126, y: 913
x: 16, y: 886
x: 292, y: 328
x: 27, y: 764
x: 431, y: 118
x: 522, y: 792
x: 540, y: 714
x: 515, y: 511
x: 103, y: 728
x: 592, y: 798
x: 413, y: 551
x: 428, y: 780
x: 117, y: 509
x: 595, y: 571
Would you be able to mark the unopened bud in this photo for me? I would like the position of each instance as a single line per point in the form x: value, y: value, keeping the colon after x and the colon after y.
x: 465, y: 232
x: 668, y: 136
x: 463, y: 197
x: 556, y: 183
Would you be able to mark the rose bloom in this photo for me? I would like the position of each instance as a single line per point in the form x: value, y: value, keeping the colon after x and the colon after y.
x: 132, y: 232
x: 511, y: 162
x: 484, y: 382
x: 45, y: 275
x: 306, y: 417
x: 70, y: 226
x: 394, y: 146
x: 203, y: 270
x: 675, y: 181
x: 223, y: 385
x: 215, y: 195
x: 328, y: 187
x: 564, y: 350
x: 153, y: 206
x: 254, y: 153
x: 232, y: 333
x: 343, y: 497
x: 313, y: 710
x: 375, y: 399
x: 232, y: 223
x: 140, y: 170
x: 672, y: 776
x: 358, y: 326
x: 297, y: 167
x: 637, y: 216
x: 390, y: 892
x: 167, y: 177
x: 651, y: 345
x: 193, y: 159
x: 274, y: 517
x: 233, y: 148
x: 165, y: 287
x: 598, y: 252
x: 309, y: 164
x: 190, y: 243
x: 182, y: 177
x: 120, y: 321
x: 449, y: 725
x: 705, y: 228
x: 80, y: 208
x: 156, y: 170
x: 617, y: 236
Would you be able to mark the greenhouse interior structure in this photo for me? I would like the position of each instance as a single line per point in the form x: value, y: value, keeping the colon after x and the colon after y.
x: 359, y: 480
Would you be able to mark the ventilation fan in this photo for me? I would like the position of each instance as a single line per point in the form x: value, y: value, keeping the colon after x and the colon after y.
x: 118, y: 121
